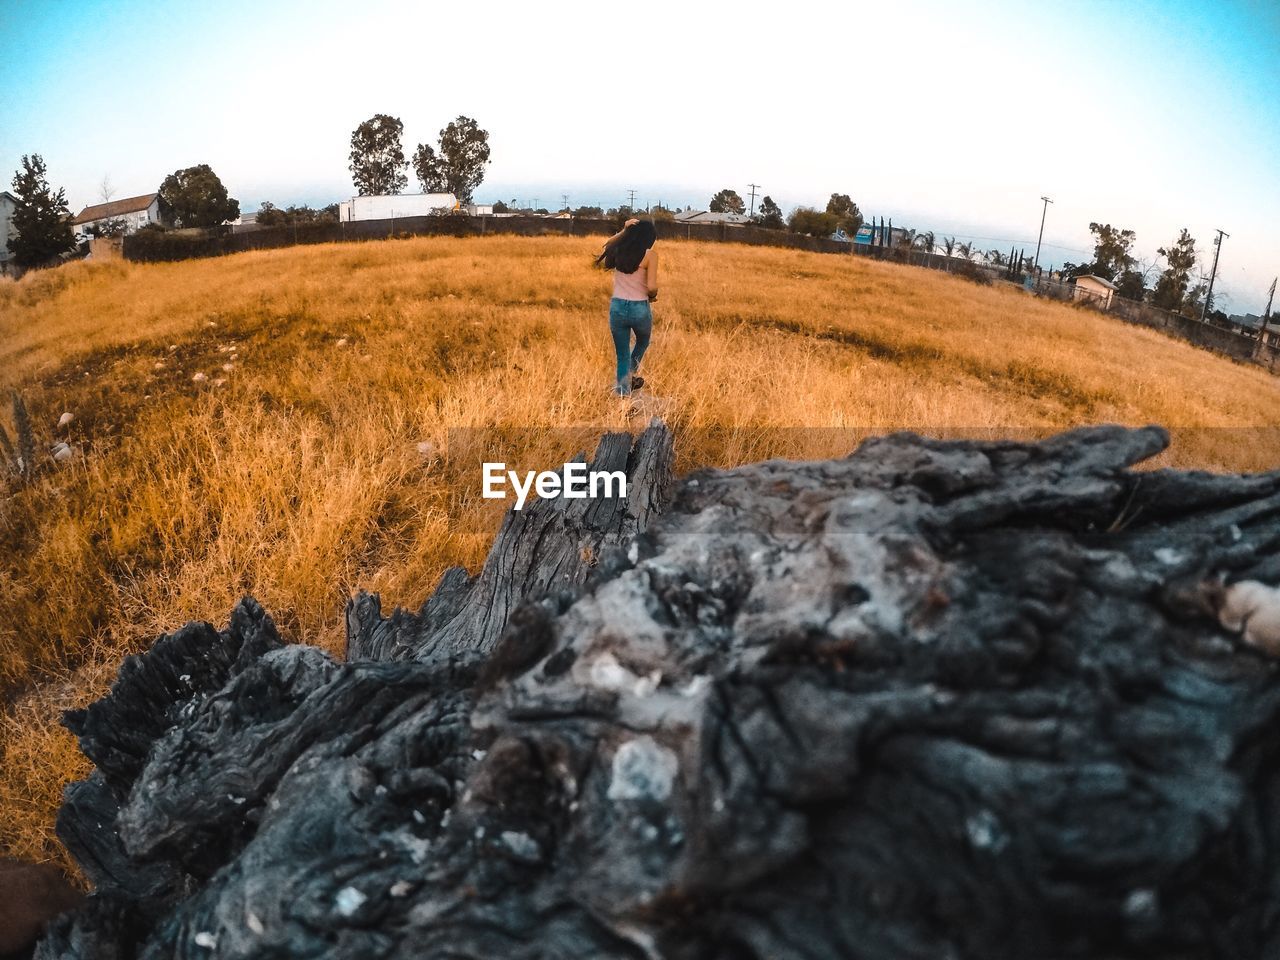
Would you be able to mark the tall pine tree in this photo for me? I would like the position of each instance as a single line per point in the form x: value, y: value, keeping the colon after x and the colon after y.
x: 40, y: 217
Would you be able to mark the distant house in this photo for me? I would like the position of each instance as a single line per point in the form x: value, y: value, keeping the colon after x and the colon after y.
x: 393, y: 206
x: 136, y: 212
x: 702, y: 216
x: 246, y: 223
x: 1095, y: 290
x: 7, y: 204
x: 479, y: 209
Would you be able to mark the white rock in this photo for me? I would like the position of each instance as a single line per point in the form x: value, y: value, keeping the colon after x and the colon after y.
x: 342, y: 342
x: 159, y: 365
x: 1253, y: 609
x: 349, y: 900
x: 199, y: 378
x: 206, y: 939
x: 65, y: 419
x: 401, y: 888
x: 173, y: 347
x: 63, y: 453
x: 642, y: 768
x: 426, y: 449
x: 228, y: 367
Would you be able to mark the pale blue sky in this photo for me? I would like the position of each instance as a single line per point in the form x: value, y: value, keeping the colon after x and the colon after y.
x: 948, y: 116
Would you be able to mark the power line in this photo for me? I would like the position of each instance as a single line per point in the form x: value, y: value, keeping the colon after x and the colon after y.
x: 631, y: 203
x: 754, y: 187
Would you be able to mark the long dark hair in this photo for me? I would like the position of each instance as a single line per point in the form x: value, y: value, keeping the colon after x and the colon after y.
x: 625, y: 254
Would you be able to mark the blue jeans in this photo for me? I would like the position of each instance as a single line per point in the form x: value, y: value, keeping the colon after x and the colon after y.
x: 626, y: 317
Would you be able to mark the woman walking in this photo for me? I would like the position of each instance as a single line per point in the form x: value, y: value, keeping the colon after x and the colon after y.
x: 630, y: 255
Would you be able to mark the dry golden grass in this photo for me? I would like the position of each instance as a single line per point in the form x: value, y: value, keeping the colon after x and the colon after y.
x: 299, y: 479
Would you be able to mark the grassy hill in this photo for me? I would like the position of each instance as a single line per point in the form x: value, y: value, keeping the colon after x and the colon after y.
x: 306, y: 461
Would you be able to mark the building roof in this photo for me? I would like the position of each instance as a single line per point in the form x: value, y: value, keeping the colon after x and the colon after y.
x: 701, y: 216
x: 1106, y: 283
x: 6, y: 193
x: 114, y: 208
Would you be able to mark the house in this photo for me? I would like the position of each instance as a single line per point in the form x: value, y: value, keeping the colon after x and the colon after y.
x: 1095, y: 290
x: 135, y: 212
x: 393, y: 206
x: 479, y: 209
x: 8, y: 202
x: 702, y: 216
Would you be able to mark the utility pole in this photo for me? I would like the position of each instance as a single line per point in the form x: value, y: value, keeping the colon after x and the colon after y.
x: 1266, y: 314
x: 1044, y: 212
x: 565, y: 197
x: 631, y: 203
x: 1208, y: 297
x: 754, y: 187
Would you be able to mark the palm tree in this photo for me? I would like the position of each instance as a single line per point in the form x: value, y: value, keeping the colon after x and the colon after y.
x: 966, y: 250
x: 927, y: 243
x: 949, y: 245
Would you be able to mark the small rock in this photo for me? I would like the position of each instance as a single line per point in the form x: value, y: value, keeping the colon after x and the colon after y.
x: 228, y: 367
x: 62, y: 452
x: 65, y: 419
x: 342, y: 342
x: 210, y: 323
x: 349, y: 900
x: 220, y: 381
x: 159, y: 365
x: 206, y: 940
x: 426, y: 449
x: 173, y: 347
x: 199, y: 378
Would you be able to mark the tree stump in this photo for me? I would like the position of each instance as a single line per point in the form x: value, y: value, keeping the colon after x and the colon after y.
x: 935, y: 699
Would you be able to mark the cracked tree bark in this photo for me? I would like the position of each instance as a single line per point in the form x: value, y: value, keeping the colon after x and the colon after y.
x: 935, y: 699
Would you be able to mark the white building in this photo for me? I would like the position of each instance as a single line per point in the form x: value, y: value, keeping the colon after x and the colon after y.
x: 1095, y: 290
x: 701, y: 216
x: 479, y: 209
x: 7, y: 203
x: 136, y: 212
x: 390, y: 207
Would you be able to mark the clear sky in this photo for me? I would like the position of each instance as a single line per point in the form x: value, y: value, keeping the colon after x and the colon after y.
x: 951, y: 116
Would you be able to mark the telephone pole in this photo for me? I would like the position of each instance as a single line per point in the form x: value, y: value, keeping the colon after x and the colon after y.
x: 1208, y: 297
x: 631, y: 203
x: 565, y: 196
x: 1043, y: 213
x: 754, y: 187
x: 1266, y: 314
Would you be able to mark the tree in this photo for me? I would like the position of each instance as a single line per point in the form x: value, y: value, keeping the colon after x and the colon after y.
x: 114, y: 226
x: 457, y: 166
x: 1131, y: 285
x: 1180, y: 259
x: 727, y: 201
x: 41, y: 220
x: 847, y: 212
x: 769, y: 215
x: 195, y: 197
x: 377, y: 159
x: 949, y: 246
x: 813, y: 223
x: 500, y: 207
x: 1111, y: 256
x: 430, y: 169
x: 927, y: 241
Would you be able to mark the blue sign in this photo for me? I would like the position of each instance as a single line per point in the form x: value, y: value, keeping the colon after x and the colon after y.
x: 863, y: 236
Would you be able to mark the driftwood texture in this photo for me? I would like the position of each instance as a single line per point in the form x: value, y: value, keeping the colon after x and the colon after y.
x: 934, y: 700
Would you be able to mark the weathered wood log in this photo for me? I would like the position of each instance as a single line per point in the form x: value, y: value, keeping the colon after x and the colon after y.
x: 935, y: 699
x: 547, y: 548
